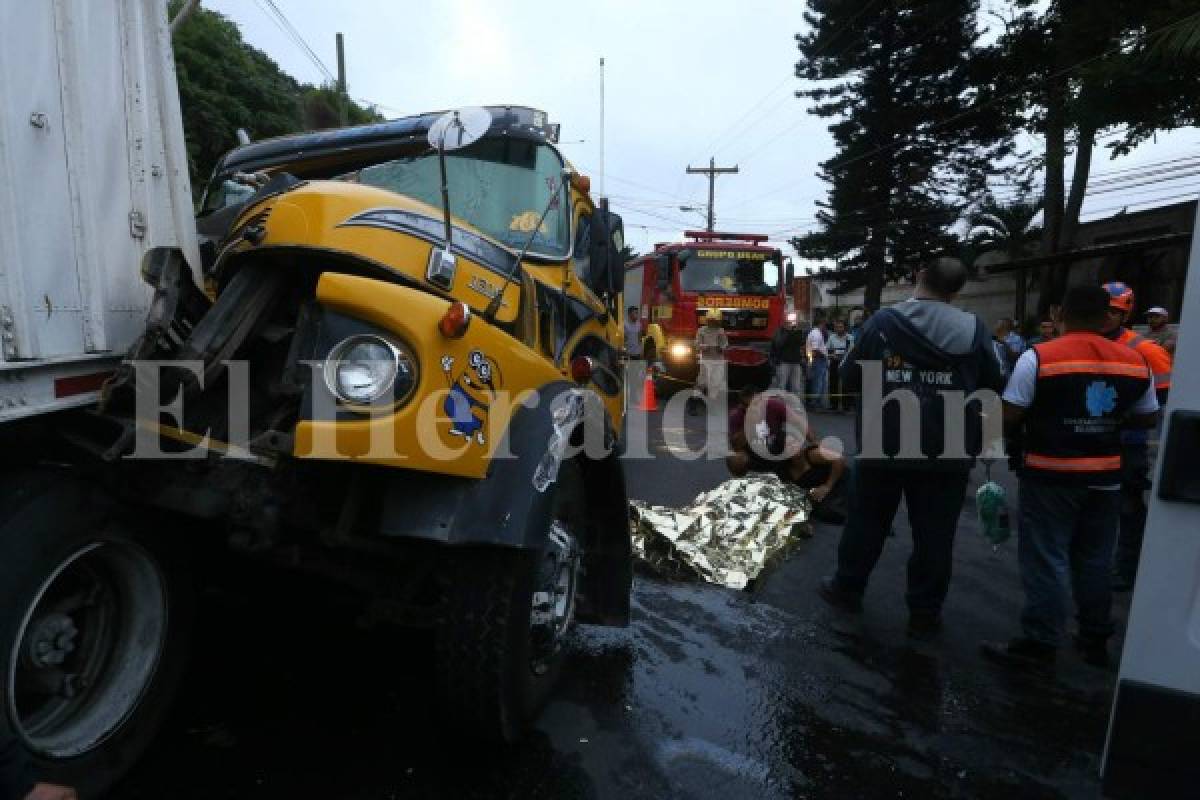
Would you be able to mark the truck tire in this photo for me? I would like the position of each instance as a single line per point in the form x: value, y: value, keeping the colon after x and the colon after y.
x: 500, y: 647
x: 93, y: 626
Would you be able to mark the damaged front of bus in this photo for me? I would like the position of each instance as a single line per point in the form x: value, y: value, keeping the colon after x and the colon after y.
x: 405, y: 354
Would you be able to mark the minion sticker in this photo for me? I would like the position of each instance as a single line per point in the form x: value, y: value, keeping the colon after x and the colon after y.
x: 470, y: 395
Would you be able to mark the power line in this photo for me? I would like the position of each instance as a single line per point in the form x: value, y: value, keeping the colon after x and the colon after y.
x: 986, y: 103
x: 281, y: 21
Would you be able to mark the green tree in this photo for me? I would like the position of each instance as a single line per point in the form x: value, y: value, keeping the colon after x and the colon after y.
x: 897, y: 80
x: 225, y: 84
x: 1008, y: 229
x: 1076, y: 70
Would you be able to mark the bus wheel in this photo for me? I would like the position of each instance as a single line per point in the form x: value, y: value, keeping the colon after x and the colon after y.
x: 501, y: 645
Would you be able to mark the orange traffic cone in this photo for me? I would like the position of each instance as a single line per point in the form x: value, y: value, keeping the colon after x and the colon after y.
x: 649, y: 398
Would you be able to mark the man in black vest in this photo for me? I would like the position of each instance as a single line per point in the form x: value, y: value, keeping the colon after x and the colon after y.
x: 1069, y: 399
x: 912, y: 358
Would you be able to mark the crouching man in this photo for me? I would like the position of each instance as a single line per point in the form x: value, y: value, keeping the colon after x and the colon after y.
x: 766, y: 434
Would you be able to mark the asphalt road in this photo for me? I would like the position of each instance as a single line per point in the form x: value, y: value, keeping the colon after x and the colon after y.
x: 709, y: 693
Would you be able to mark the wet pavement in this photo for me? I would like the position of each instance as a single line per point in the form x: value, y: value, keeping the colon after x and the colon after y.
x: 710, y: 693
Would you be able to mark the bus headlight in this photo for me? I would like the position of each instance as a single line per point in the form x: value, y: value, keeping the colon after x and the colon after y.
x: 365, y: 370
x: 680, y: 350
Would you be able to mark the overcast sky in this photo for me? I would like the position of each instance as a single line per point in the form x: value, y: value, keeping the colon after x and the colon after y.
x: 684, y: 80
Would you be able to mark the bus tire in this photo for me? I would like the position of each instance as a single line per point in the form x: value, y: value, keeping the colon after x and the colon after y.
x: 499, y: 649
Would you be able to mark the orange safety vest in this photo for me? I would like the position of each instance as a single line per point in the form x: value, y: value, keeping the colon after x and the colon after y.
x: 1154, y: 353
x: 1086, y: 385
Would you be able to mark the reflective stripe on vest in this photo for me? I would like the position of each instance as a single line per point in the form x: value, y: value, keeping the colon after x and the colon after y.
x: 1082, y: 464
x: 1134, y: 340
x: 1091, y: 368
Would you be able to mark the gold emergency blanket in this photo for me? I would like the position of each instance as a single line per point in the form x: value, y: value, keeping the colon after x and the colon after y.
x: 725, y: 536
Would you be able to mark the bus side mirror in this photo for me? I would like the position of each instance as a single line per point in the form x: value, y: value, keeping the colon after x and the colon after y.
x: 616, y: 267
x: 662, y: 272
x: 598, y: 253
x: 789, y: 275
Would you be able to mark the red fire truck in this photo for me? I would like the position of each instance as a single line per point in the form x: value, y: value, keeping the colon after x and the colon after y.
x: 679, y: 283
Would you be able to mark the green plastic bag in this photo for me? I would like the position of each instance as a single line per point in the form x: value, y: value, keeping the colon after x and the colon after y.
x: 991, y: 501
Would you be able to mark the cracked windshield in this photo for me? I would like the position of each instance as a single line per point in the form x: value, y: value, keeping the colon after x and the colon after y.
x: 498, y: 186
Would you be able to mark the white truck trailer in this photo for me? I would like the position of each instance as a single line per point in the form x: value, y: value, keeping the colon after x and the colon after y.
x: 93, y: 175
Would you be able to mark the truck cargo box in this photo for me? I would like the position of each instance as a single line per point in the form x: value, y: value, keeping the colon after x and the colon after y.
x: 93, y: 174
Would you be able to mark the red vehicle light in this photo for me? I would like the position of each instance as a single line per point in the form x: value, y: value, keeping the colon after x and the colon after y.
x: 455, y: 321
x: 582, y: 368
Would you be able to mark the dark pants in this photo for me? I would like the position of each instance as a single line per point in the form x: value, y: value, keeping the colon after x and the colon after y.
x: 836, y: 401
x: 934, y: 502
x: 1065, y: 546
x: 1135, y: 480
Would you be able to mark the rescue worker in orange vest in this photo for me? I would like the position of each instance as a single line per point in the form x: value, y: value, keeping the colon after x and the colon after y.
x: 1071, y: 398
x: 1135, y: 451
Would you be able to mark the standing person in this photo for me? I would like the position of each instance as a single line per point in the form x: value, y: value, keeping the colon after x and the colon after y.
x: 711, y: 343
x: 925, y: 346
x: 1072, y: 396
x: 999, y: 348
x: 1135, y: 443
x: 1014, y: 341
x: 818, y: 365
x: 788, y: 356
x: 633, y: 332
x: 1046, y: 333
x: 1159, y: 333
x: 859, y: 317
x: 838, y: 344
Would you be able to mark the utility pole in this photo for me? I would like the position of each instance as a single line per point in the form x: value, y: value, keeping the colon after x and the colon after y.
x: 343, y: 101
x: 712, y: 170
x: 601, y: 187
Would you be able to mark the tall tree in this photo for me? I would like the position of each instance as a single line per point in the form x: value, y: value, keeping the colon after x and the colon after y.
x: 225, y: 84
x: 1079, y: 69
x: 895, y: 76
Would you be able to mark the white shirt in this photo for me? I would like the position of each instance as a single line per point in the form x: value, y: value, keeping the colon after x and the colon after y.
x: 838, y: 344
x: 633, y: 338
x: 815, y: 343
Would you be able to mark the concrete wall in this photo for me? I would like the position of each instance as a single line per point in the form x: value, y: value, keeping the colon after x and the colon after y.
x: 990, y: 298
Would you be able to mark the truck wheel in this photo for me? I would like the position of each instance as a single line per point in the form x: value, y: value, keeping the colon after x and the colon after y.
x: 501, y: 645
x: 91, y: 636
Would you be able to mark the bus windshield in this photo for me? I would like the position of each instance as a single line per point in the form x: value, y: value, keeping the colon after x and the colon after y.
x: 725, y: 274
x: 498, y: 185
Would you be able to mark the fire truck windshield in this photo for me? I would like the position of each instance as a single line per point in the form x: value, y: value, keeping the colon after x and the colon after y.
x: 729, y: 276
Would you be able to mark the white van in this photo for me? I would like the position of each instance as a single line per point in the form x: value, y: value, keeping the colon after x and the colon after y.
x: 1153, y: 747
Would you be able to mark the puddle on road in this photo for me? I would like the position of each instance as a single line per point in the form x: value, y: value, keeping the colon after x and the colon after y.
x: 718, y: 695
